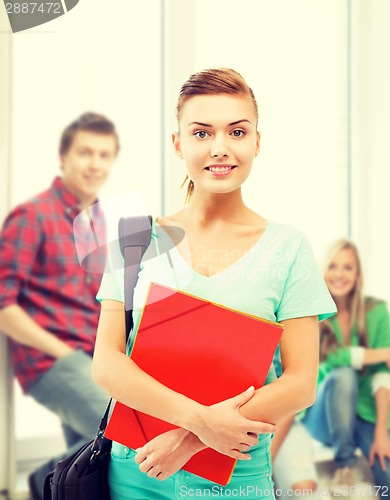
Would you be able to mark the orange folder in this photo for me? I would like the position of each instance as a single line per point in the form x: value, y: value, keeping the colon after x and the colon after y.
x: 202, y: 350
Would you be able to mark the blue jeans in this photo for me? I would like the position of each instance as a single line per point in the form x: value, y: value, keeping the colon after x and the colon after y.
x: 333, y: 421
x: 68, y: 390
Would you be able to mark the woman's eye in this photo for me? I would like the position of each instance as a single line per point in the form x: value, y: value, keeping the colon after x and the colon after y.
x: 238, y: 133
x: 201, y: 134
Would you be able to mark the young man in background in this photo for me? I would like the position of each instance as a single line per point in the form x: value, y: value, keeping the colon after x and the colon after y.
x: 47, y: 300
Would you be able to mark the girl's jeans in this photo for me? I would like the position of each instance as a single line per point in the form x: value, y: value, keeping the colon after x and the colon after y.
x: 333, y: 421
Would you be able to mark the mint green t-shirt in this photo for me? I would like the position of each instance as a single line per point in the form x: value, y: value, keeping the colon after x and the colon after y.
x: 277, y: 279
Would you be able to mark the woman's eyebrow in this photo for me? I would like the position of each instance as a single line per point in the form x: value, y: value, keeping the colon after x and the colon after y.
x: 208, y: 125
x: 199, y: 123
x: 239, y: 121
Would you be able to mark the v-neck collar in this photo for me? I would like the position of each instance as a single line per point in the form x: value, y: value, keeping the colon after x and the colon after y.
x: 339, y: 333
x: 240, y: 260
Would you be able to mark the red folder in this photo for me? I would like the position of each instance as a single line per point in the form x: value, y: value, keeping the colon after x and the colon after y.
x: 203, y: 350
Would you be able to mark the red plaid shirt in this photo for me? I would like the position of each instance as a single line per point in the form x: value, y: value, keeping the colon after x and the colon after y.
x: 40, y: 271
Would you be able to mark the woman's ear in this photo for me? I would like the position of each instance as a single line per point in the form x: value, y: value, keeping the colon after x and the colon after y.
x: 257, y: 151
x: 176, y: 144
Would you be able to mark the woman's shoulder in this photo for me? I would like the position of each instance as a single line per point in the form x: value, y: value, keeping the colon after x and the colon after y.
x: 375, y: 306
x: 176, y: 219
x: 286, y: 234
x: 287, y: 228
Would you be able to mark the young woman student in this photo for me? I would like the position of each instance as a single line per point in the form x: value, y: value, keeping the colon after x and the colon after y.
x: 266, y: 269
x: 352, y: 407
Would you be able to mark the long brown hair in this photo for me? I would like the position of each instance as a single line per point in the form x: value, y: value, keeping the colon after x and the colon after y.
x: 212, y: 82
x: 328, y: 340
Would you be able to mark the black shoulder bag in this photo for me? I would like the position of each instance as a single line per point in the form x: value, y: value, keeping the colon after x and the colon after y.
x: 83, y: 475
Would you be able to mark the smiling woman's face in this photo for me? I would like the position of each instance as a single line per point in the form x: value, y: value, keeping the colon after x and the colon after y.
x: 218, y: 140
x: 342, y: 273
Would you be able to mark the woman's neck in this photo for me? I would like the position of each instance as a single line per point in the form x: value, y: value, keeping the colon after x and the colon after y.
x: 344, y: 318
x: 206, y: 206
x: 343, y: 304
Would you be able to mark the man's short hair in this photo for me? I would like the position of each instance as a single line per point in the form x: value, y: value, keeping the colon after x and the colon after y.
x: 90, y: 122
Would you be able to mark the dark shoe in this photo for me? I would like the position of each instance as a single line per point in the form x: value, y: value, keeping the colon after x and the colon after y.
x: 35, y: 493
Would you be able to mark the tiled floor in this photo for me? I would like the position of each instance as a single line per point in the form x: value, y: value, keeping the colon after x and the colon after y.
x: 364, y: 486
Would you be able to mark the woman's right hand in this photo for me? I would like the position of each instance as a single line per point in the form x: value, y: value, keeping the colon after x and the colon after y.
x: 224, y: 429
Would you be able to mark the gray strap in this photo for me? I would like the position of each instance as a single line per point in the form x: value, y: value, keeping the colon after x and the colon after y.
x: 134, y: 239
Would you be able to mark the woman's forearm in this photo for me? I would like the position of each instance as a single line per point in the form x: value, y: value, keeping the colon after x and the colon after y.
x: 219, y: 426
x: 113, y: 370
x: 284, y: 397
x: 234, y: 418
x: 130, y: 385
x: 373, y: 356
x: 382, y: 402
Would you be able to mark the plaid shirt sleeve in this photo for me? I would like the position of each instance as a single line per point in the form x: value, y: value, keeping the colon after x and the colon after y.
x: 20, y: 240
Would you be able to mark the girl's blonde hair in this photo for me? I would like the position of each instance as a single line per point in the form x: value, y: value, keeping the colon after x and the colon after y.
x: 356, y: 303
x: 212, y: 82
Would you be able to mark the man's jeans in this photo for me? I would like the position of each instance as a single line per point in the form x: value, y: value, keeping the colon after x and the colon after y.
x: 68, y: 390
x: 333, y: 421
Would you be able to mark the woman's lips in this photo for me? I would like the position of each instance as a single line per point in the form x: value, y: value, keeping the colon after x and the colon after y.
x: 220, y: 170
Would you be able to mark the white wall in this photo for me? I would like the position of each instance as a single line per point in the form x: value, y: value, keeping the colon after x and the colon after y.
x: 180, y: 42
x: 293, y: 55
x: 370, y: 140
x: 99, y: 57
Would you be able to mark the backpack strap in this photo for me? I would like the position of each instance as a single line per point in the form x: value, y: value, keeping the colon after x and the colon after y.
x: 134, y: 238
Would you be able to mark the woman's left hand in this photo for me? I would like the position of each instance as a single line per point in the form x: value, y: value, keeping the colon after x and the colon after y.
x: 166, y: 454
x: 381, y: 449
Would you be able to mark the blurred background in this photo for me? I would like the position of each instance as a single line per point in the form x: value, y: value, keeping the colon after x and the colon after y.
x: 319, y: 69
